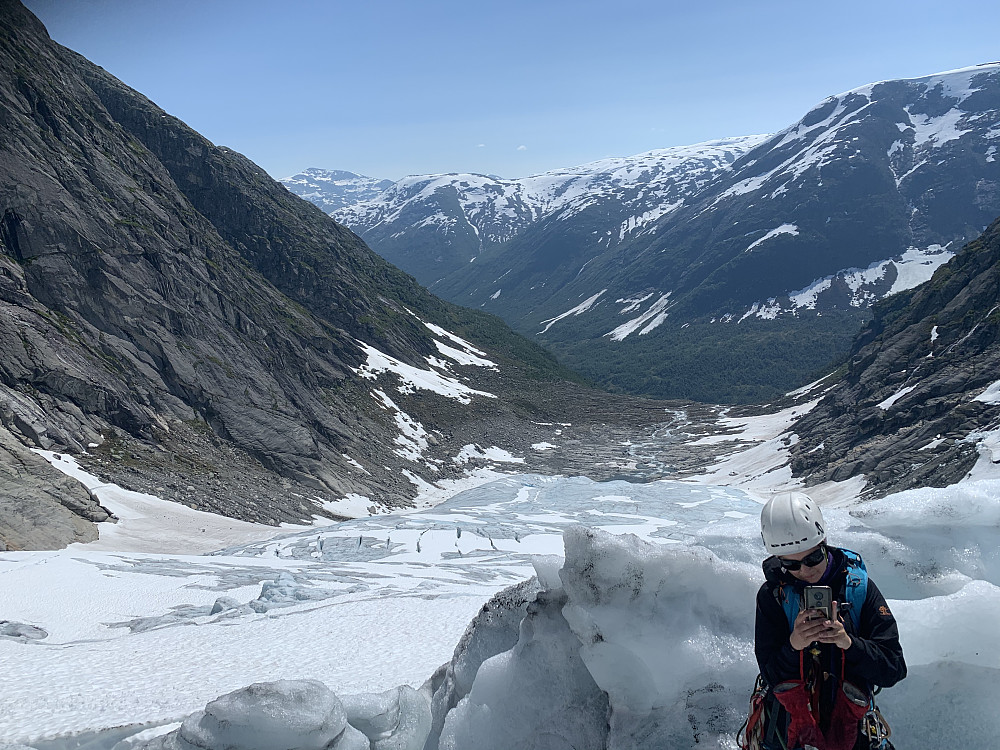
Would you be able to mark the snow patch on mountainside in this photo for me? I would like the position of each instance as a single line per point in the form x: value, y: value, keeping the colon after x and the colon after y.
x: 790, y: 229
x: 412, y: 438
x: 464, y: 358
x: 916, y: 265
x: 864, y: 285
x: 888, y: 403
x: 412, y: 378
x: 632, y: 303
x: 493, y: 453
x: 467, y: 354
x: 935, y: 131
x: 578, y: 310
x: 646, y: 218
x: 649, y: 320
x: 439, y: 331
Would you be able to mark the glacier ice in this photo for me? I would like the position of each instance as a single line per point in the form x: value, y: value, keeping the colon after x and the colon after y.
x: 630, y: 644
x: 623, y: 642
x: 398, y: 719
x: 493, y: 631
x: 282, y: 715
x: 538, y: 695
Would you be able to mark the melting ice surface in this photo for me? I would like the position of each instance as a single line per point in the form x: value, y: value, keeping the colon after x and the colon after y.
x: 642, y: 612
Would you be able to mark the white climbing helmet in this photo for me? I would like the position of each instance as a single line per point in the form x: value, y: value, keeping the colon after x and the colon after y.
x: 791, y: 522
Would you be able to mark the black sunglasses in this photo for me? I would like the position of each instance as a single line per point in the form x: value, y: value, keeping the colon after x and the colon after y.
x: 811, y: 560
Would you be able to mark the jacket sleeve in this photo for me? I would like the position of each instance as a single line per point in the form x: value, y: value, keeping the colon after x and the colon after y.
x: 875, y: 654
x: 777, y: 660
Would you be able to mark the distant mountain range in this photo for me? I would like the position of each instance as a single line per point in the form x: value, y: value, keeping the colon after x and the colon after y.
x: 433, y: 226
x: 728, y: 271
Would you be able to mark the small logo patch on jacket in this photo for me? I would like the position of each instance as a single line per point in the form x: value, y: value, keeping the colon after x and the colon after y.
x: 884, y: 611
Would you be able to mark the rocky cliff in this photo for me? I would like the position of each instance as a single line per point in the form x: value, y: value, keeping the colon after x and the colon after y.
x: 918, y: 386
x: 188, y: 327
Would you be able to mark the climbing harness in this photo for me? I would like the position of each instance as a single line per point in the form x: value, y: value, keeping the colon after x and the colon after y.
x: 751, y: 733
x: 875, y: 729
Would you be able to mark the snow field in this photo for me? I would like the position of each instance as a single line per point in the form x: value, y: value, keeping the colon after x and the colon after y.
x: 362, y: 606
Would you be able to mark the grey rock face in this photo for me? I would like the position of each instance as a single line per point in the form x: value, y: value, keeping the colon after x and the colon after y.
x: 40, y: 508
x: 187, y: 327
x: 140, y: 293
x: 902, y: 414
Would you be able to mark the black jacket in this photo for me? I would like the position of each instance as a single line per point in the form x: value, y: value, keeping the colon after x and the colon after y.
x: 875, y: 656
x: 873, y: 659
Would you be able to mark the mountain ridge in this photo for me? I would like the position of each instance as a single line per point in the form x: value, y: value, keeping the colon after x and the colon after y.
x: 919, y: 390
x: 333, y: 189
x: 864, y: 196
x: 480, y: 211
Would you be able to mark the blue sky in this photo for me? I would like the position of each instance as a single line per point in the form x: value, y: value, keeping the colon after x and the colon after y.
x: 389, y: 87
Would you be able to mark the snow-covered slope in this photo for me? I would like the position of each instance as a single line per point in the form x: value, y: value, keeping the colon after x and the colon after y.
x: 935, y: 136
x: 866, y: 195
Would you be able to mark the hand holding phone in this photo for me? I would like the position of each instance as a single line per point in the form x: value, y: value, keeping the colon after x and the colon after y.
x: 819, y: 599
x: 818, y: 622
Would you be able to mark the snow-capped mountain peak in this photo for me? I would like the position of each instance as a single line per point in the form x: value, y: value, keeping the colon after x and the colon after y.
x: 461, y: 214
x: 332, y: 189
x: 496, y: 209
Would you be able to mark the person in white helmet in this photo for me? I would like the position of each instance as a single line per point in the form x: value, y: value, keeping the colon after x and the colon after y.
x: 820, y: 671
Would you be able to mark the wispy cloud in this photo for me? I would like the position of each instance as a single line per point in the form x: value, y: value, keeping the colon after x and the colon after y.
x: 480, y: 145
x: 522, y: 147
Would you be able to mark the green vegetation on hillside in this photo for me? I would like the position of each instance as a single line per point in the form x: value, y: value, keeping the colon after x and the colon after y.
x: 700, y: 361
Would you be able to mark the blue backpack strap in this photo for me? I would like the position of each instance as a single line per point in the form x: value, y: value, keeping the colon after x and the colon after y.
x: 789, y: 600
x: 857, y: 586
x: 857, y: 590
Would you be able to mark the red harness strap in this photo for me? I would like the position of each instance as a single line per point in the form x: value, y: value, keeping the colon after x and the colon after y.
x: 803, y: 727
x: 801, y: 700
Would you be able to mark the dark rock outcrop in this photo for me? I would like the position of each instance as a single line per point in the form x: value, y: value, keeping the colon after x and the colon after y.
x: 904, y: 411
x: 40, y: 509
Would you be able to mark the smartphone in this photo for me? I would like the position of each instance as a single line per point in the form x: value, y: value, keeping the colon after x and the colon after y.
x: 819, y: 598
